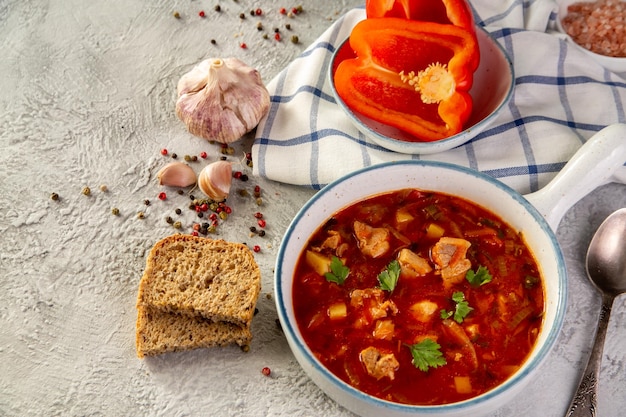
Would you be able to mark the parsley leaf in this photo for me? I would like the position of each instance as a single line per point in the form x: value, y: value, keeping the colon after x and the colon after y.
x: 388, y: 279
x: 478, y: 278
x: 461, y: 310
x: 426, y: 354
x: 339, y: 272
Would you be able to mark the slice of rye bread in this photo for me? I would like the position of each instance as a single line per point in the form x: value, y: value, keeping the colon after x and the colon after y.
x: 196, y: 276
x: 160, y: 332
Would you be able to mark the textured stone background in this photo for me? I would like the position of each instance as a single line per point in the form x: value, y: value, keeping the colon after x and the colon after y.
x: 87, y: 92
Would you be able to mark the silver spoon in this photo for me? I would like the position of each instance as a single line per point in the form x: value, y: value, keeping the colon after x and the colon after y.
x: 606, y: 268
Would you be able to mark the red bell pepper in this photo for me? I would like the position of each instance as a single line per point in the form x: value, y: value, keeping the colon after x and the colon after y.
x: 455, y: 12
x: 410, y: 74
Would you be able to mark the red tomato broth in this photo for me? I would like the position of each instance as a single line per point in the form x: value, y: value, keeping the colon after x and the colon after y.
x: 506, y: 311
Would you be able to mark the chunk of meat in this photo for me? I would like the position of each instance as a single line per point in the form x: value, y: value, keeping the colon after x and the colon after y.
x: 335, y: 242
x: 424, y: 310
x: 412, y: 265
x: 378, y: 364
x: 373, y: 241
x: 449, y: 255
x: 372, y: 300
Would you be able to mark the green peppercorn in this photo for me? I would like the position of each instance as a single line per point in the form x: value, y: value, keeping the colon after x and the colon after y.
x: 141, y: 215
x: 115, y: 211
x: 259, y: 201
x: 177, y: 15
x: 295, y: 39
x: 187, y: 158
x: 86, y: 191
x: 177, y: 225
x: 223, y: 215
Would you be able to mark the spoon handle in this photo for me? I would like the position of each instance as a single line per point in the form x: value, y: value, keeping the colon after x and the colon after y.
x: 585, y: 402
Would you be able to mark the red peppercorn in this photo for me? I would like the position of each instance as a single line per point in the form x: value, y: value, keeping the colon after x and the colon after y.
x: 258, y: 215
x: 194, y: 233
x: 228, y: 210
x: 266, y: 371
x: 257, y: 249
x: 282, y: 10
x: 294, y: 10
x: 203, y: 155
x: 261, y: 223
x: 213, y: 216
x: 257, y: 188
x: 277, y: 36
x: 201, y: 14
x: 162, y: 196
x: 243, y: 45
x: 198, y: 209
x: 163, y: 151
x: 237, y: 174
x: 204, y: 207
x: 258, y: 12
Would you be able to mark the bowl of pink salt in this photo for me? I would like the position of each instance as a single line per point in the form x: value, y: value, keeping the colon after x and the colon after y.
x: 598, y: 28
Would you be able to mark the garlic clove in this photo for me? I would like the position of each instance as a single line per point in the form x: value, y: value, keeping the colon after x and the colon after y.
x: 221, y: 99
x: 215, y: 179
x: 176, y: 174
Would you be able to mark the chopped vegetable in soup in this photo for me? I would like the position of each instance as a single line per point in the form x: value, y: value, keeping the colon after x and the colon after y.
x: 418, y: 297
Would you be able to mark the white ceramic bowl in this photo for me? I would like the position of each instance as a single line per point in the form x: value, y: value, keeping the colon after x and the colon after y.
x: 594, y: 164
x: 491, y: 90
x: 614, y: 64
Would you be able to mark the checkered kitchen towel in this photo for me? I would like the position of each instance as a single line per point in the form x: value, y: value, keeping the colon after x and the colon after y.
x: 561, y: 98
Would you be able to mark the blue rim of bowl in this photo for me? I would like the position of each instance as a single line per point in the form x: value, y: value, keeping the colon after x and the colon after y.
x: 418, y: 148
x: 534, y: 363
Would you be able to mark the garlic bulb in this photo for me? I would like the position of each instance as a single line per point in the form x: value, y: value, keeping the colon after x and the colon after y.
x: 221, y: 99
x: 215, y: 179
x: 176, y: 174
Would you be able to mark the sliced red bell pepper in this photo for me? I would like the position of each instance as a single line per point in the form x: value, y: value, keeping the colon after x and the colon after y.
x: 410, y: 74
x: 455, y: 12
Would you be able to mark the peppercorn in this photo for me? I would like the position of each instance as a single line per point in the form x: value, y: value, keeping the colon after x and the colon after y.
x: 266, y: 371
x: 253, y: 229
x: 104, y: 188
x: 194, y: 158
x: 192, y: 197
x: 54, y: 197
x: 203, y: 155
x: 256, y: 248
x: 244, y: 177
x: 180, y: 192
x: 169, y: 220
x: 141, y: 215
x: 242, y: 16
x: 201, y: 13
x: 288, y: 26
x: 146, y: 202
x: 178, y: 211
x: 259, y: 201
x: 217, y: 8
x: 187, y: 158
x: 115, y: 211
x: 261, y: 233
x: 162, y: 196
x: 86, y: 191
x: 177, y: 225
x: 177, y: 15
x: 213, y: 41
x: 295, y: 39
x: 259, y: 26
x: 174, y: 156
